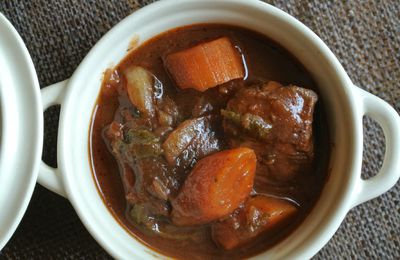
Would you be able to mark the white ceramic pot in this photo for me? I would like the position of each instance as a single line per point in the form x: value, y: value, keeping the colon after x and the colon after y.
x: 345, y: 103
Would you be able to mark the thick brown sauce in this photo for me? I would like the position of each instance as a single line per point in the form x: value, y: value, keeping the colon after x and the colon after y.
x: 265, y: 59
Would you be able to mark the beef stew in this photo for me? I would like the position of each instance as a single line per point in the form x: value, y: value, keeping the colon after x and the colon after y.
x: 209, y: 141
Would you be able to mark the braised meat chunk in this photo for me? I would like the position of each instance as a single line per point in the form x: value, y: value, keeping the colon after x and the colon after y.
x: 276, y: 121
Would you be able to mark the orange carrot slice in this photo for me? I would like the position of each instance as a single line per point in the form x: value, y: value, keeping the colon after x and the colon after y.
x: 205, y: 65
x: 217, y: 185
x: 260, y: 214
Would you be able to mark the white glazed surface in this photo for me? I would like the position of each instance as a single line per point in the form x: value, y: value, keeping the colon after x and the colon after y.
x: 21, y: 129
x: 344, y: 104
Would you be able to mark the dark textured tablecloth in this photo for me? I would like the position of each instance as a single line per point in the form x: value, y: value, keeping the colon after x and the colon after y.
x: 365, y: 36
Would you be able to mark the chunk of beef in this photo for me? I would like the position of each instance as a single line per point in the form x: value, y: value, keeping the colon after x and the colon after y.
x: 276, y: 122
x: 213, y: 100
x: 144, y: 172
x: 202, y: 107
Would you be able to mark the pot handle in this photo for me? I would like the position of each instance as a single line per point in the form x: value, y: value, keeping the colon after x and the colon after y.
x: 389, y: 120
x: 50, y: 177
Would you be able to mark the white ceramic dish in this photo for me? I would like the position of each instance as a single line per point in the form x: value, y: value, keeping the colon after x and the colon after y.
x: 345, y: 104
x: 21, y: 129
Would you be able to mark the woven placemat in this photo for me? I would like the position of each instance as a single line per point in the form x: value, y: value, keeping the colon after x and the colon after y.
x: 365, y: 36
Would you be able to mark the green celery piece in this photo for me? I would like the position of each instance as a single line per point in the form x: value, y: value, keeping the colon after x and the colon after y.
x: 254, y: 124
x: 143, y: 143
